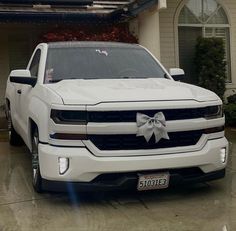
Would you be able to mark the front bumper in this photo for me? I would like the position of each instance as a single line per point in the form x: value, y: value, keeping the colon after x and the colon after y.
x: 126, y: 182
x: 84, y: 167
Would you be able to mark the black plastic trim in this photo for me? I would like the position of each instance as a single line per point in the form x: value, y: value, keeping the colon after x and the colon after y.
x: 48, y: 2
x: 128, y: 182
x: 84, y: 117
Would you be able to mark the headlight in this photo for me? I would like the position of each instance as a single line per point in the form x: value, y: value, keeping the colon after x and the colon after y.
x: 69, y: 117
x: 214, y: 112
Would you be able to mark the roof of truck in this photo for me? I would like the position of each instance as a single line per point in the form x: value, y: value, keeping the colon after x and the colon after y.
x: 91, y: 44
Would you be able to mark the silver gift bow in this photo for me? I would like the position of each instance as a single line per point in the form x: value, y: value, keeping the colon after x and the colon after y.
x: 147, y: 126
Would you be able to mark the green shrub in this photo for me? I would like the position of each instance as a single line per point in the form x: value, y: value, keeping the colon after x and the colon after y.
x: 232, y: 99
x: 210, y: 64
x: 230, y: 114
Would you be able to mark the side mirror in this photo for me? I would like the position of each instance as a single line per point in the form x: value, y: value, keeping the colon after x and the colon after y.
x: 22, y: 77
x: 177, y: 74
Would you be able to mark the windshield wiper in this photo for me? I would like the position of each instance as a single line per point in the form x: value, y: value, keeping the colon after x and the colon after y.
x: 55, y: 80
x: 58, y: 80
x: 133, y: 77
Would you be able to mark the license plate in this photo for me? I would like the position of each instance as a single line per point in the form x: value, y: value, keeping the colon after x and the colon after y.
x: 153, y: 181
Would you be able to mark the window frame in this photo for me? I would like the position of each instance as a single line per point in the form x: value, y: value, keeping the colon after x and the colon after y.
x: 37, y: 63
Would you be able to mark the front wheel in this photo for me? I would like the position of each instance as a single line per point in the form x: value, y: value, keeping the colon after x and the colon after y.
x: 36, y: 176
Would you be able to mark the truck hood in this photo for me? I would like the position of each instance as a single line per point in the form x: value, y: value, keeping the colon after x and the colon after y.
x: 90, y: 92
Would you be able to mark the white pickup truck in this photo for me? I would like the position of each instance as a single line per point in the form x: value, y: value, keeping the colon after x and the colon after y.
x: 99, y: 115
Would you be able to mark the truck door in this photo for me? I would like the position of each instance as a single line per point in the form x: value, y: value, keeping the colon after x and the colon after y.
x: 26, y: 92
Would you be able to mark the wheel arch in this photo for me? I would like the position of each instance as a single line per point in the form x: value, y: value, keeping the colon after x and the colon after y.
x: 32, y: 126
x: 7, y: 102
x: 38, y: 115
x: 7, y: 107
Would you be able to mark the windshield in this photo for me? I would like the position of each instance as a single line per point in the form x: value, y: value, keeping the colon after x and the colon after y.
x: 100, y: 63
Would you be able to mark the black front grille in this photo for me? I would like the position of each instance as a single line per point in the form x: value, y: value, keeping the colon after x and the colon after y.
x: 132, y: 142
x: 114, y: 177
x: 130, y: 116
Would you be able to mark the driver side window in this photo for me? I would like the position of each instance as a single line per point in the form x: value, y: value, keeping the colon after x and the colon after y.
x: 34, y: 66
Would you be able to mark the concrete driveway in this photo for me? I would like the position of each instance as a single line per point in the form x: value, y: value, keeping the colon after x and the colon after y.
x: 210, y: 206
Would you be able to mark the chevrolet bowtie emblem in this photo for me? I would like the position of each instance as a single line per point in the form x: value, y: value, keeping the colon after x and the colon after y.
x: 147, y: 126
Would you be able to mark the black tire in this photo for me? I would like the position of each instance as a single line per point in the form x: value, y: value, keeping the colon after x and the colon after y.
x: 36, y: 176
x: 14, y: 138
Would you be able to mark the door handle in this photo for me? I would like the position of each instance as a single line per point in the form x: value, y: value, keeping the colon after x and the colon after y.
x: 19, y: 91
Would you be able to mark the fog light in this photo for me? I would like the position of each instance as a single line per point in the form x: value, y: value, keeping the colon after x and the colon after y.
x: 63, y: 165
x: 223, y: 155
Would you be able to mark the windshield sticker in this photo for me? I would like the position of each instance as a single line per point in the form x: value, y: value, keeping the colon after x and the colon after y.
x: 102, y: 52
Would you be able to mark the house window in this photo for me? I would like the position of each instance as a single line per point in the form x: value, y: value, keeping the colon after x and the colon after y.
x: 205, y: 18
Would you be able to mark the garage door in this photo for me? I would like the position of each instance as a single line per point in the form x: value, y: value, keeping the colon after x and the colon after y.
x: 19, y: 51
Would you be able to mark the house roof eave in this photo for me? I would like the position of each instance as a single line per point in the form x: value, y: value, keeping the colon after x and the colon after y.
x: 121, y: 10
